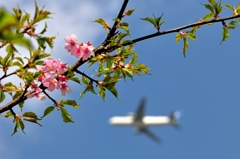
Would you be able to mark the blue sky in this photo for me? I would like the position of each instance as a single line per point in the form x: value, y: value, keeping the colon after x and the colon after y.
x: 204, y: 86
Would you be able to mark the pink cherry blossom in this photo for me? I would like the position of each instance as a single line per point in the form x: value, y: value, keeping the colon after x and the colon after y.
x: 87, y: 50
x: 51, y: 84
x: 62, y: 79
x: 78, y: 52
x: 64, y: 88
x: 71, y: 43
x: 61, y: 67
x: 40, y: 96
x: 36, y: 92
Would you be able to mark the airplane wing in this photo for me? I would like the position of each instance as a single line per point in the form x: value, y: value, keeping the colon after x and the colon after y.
x: 140, y: 110
x: 150, y: 134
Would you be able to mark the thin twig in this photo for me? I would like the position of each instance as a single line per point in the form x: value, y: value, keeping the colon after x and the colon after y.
x: 83, y: 74
x: 53, y: 100
x: 14, y: 114
x: 179, y: 29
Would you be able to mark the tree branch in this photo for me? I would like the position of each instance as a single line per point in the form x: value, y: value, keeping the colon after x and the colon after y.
x: 14, y: 102
x: 83, y: 74
x: 180, y: 28
x: 114, y: 27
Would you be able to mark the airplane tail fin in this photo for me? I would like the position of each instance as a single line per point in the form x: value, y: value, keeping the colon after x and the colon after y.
x: 175, y: 119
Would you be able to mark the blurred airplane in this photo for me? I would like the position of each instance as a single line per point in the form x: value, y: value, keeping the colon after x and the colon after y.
x: 141, y: 122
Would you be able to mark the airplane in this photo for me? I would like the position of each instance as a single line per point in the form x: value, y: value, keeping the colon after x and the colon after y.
x: 141, y: 122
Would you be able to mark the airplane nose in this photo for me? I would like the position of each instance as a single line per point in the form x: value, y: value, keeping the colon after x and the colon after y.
x: 111, y: 120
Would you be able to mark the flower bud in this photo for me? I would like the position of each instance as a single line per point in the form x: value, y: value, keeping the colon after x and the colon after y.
x: 128, y: 65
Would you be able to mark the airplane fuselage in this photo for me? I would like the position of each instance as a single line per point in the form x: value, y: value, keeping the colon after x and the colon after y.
x: 146, y: 120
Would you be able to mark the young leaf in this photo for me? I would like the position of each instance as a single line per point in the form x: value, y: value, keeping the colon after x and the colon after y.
x: 129, y: 12
x: 2, y: 95
x: 151, y: 20
x: 178, y: 37
x: 47, y: 111
x: 225, y: 34
x: 229, y: 6
x: 71, y: 103
x: 208, y: 16
x: 17, y: 126
x: 31, y: 115
x: 21, y: 105
x: 75, y: 79
x: 85, y: 80
x: 44, y: 29
x: 185, y: 47
x: 209, y: 7
x: 33, y: 120
x: 66, y: 117
x: 113, y: 90
x: 102, y: 22
x: 22, y: 126
x: 192, y: 36
x: 102, y: 92
x: 9, y: 114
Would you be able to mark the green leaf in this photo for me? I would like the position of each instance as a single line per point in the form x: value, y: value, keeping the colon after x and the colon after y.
x: 102, y: 22
x: 233, y: 23
x: 71, y: 103
x: 18, y: 13
x: 19, y: 59
x: 21, y: 105
x: 162, y: 22
x: 32, y: 120
x: 22, y: 126
x: 40, y: 15
x: 47, y: 111
x: 44, y: 29
x: 36, y: 10
x: 113, y: 90
x: 192, y: 36
x: 9, y: 114
x: 209, y: 7
x: 6, y: 20
x: 10, y: 88
x: 141, y: 68
x: 229, y: 6
x: 151, y: 20
x: 66, y: 117
x: 31, y: 115
x: 208, y: 16
x: 125, y: 28
x: 49, y: 41
x: 129, y: 12
x: 19, y: 124
x: 25, y: 18
x: 39, y: 62
x: 134, y: 59
x: 90, y: 88
x: 35, y: 53
x: 102, y: 92
x: 185, y: 47
x: 213, y: 3
x: 85, y: 80
x: 178, y: 37
x: 2, y: 96
x: 75, y: 79
x: 225, y: 34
